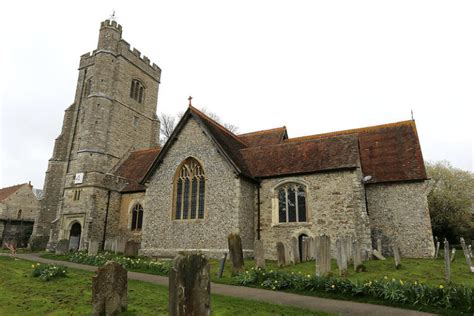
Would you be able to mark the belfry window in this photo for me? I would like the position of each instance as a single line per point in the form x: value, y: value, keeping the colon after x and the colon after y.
x: 137, y: 91
x: 190, y: 186
x: 291, y: 203
x: 137, y: 217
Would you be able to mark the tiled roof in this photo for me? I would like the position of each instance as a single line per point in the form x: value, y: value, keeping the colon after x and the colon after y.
x: 302, y: 157
x: 6, y: 192
x: 135, y: 167
x: 389, y: 152
x: 265, y: 137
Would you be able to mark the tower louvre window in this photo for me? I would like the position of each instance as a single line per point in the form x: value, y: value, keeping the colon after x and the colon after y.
x: 189, y: 191
x: 137, y: 91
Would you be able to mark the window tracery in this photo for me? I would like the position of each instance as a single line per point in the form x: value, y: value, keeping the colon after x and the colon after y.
x: 190, y: 186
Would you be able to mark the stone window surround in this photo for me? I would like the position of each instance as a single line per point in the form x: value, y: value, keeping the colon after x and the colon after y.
x: 137, y: 90
x: 139, y: 207
x: 274, y: 195
x: 131, y: 205
x: 175, y: 180
x: 70, y: 219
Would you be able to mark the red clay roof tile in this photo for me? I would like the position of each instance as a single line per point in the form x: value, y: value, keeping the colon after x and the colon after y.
x: 6, y: 192
x: 265, y: 137
x: 135, y: 167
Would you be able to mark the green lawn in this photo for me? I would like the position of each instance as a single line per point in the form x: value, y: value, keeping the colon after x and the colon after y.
x: 21, y: 294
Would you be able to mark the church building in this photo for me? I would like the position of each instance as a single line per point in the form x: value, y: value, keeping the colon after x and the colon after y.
x: 109, y: 182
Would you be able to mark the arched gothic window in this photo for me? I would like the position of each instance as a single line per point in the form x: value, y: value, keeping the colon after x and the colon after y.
x: 291, y: 203
x: 137, y: 217
x: 190, y: 186
x: 137, y: 91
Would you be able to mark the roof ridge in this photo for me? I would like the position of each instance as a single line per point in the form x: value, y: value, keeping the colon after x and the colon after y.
x: 218, y: 125
x: 350, y: 131
x: 15, y: 185
x: 262, y: 131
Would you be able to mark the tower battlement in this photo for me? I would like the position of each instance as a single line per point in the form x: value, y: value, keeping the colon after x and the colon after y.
x: 111, y: 24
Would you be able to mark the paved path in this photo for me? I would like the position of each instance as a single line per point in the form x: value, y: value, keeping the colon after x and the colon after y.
x: 306, y: 302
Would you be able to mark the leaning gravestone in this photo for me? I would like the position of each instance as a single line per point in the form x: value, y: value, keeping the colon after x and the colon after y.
x: 236, y: 253
x: 342, y: 259
x: 259, y: 254
x: 131, y: 248
x: 221, y: 266
x: 453, y: 254
x: 109, y: 289
x: 324, y: 256
x: 93, y: 248
x: 63, y: 247
x: 280, y: 249
x: 379, y: 245
x: 447, y: 262
x: 467, y: 255
x: 437, y: 248
x: 378, y: 255
x: 295, y: 251
x: 189, y: 286
x: 356, y: 255
x: 396, y: 256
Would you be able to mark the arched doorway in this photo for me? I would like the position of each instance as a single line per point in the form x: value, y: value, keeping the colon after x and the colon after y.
x: 75, y: 236
x: 303, y: 250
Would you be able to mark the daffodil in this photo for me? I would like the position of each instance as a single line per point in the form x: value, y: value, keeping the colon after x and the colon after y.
x: 441, y: 286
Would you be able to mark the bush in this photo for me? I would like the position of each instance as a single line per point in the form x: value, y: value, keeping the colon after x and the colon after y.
x: 48, y: 272
x: 459, y: 298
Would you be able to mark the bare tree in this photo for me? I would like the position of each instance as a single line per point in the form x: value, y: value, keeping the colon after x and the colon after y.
x: 232, y: 128
x: 168, y: 123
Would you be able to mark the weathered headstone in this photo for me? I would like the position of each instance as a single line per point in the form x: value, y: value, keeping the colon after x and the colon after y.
x: 396, y: 256
x: 437, y: 248
x: 131, y: 248
x: 447, y: 262
x: 222, y: 265
x: 236, y: 253
x: 365, y: 254
x: 259, y: 254
x: 280, y: 248
x: 378, y: 255
x: 290, y: 259
x: 341, y: 254
x: 467, y: 255
x: 470, y: 251
x: 356, y: 255
x: 295, y: 249
x: 347, y: 248
x: 63, y: 247
x: 305, y: 249
x: 109, y: 289
x: 324, y: 256
x: 379, y: 246
x: 453, y: 254
x: 189, y: 286
x: 121, y: 242
x: 311, y: 249
x: 316, y: 246
x: 93, y: 248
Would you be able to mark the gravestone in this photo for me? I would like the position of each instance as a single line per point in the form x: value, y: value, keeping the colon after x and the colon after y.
x: 236, y: 253
x: 109, y: 289
x: 378, y: 255
x: 396, y: 256
x: 324, y: 256
x: 280, y: 248
x: 356, y: 255
x: 63, y: 247
x: 121, y: 243
x: 305, y: 249
x: 347, y: 248
x: 93, y: 248
x: 379, y: 246
x: 453, y: 254
x: 316, y: 246
x: 467, y: 255
x: 189, y: 286
x: 341, y: 255
x: 437, y: 248
x: 221, y: 266
x: 311, y: 249
x: 295, y: 251
x: 469, y: 248
x: 131, y: 248
x: 447, y: 262
x: 259, y: 254
x: 365, y: 255
x: 289, y: 254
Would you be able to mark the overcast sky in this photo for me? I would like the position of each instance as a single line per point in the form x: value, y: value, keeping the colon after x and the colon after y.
x: 314, y: 66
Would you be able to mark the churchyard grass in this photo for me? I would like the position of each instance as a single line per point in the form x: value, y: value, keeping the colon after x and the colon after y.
x: 22, y: 294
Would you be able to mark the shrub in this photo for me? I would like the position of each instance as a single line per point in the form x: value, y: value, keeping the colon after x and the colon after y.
x: 48, y: 272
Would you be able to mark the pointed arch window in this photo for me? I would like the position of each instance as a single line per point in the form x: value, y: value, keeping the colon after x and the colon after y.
x: 291, y: 203
x: 190, y: 190
x: 137, y: 217
x: 137, y: 91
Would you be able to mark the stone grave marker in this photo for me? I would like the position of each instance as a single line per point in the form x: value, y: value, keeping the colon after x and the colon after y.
x: 347, y: 248
x: 437, y: 248
x: 222, y: 265
x: 121, y: 242
x: 379, y: 246
x: 109, y: 289
x: 396, y: 256
x: 311, y: 249
x: 63, y: 247
x: 356, y: 255
x: 316, y: 246
x: 378, y: 255
x: 447, y: 262
x: 295, y: 250
x: 324, y: 256
x: 470, y: 251
x: 365, y: 255
x: 341, y: 255
x: 453, y: 254
x: 259, y: 254
x: 236, y: 253
x: 93, y: 248
x: 189, y: 286
x: 280, y: 248
x: 131, y: 248
x: 467, y: 255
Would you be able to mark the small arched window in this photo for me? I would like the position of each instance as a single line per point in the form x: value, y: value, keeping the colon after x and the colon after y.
x: 88, y: 87
x: 19, y: 214
x: 137, y: 217
x: 190, y: 186
x: 137, y: 91
x: 291, y: 203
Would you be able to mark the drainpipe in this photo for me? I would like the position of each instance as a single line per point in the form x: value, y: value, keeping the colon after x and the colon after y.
x: 258, y: 211
x: 105, y: 220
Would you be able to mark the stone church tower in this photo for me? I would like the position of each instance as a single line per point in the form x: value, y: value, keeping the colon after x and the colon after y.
x: 114, y: 113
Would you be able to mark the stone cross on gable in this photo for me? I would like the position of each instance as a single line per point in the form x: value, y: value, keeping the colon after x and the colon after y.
x: 189, y: 99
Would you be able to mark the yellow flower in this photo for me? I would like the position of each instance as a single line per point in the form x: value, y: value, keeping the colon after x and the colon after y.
x: 32, y: 265
x: 333, y: 286
x: 385, y: 277
x: 416, y: 283
x: 37, y: 264
x: 440, y: 286
x: 308, y: 276
x: 401, y: 282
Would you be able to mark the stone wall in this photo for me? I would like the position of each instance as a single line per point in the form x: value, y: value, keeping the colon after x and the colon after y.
x: 23, y: 199
x: 399, y: 212
x: 224, y: 207
x: 335, y: 206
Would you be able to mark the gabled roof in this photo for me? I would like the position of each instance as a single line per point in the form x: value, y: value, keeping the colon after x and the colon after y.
x: 265, y: 137
x: 135, y: 167
x: 6, y: 192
